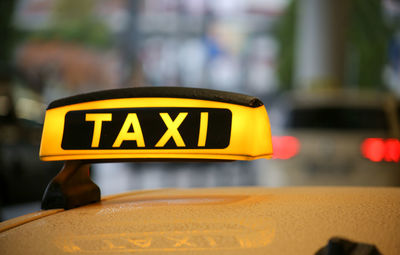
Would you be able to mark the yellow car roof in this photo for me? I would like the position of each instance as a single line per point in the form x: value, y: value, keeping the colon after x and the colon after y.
x: 213, y: 221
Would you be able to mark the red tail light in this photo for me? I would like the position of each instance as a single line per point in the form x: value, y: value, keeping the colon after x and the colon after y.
x: 378, y: 149
x: 285, y: 147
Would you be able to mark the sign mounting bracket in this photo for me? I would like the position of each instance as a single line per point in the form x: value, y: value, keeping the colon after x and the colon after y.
x: 71, y: 187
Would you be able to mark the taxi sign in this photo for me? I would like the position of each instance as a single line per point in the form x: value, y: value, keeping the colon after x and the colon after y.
x: 156, y: 123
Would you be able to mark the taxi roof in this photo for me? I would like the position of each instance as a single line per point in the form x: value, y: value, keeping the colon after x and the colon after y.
x: 214, y: 221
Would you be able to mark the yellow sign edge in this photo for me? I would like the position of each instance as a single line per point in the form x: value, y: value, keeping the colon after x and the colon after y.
x: 166, y: 153
x: 152, y: 156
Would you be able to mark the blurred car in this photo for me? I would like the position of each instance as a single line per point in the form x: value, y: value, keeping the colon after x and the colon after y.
x: 341, y: 138
x: 23, y: 177
x: 242, y: 220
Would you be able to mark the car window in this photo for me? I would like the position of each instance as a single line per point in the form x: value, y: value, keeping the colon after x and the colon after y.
x: 342, y: 118
x: 398, y: 113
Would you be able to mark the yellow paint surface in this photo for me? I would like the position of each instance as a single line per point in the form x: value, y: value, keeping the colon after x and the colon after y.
x: 215, y: 221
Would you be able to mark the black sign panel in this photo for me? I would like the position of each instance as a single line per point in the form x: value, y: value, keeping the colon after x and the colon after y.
x: 147, y: 128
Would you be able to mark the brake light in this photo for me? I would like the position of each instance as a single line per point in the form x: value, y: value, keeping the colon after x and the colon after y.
x: 285, y: 147
x: 392, y: 150
x: 378, y: 149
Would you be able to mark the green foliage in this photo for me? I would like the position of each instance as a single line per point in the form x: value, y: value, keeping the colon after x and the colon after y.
x: 367, y: 40
x: 285, y: 32
x: 73, y: 21
x: 8, y: 39
x: 86, y: 32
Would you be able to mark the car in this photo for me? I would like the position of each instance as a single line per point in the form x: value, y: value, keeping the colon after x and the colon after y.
x: 335, y: 138
x: 23, y: 177
x: 184, y: 124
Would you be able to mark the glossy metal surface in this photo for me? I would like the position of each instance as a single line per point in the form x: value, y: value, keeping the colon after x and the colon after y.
x: 215, y: 221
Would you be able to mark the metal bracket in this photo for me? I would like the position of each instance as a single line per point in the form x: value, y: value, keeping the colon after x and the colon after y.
x: 72, y: 187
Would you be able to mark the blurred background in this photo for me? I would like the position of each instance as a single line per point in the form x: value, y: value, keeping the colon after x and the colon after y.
x: 328, y: 72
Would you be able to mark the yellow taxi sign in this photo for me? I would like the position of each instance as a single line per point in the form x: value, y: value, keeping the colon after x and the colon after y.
x: 156, y: 123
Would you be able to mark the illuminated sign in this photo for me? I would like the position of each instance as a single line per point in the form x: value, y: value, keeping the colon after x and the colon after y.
x: 161, y: 123
x: 147, y: 128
